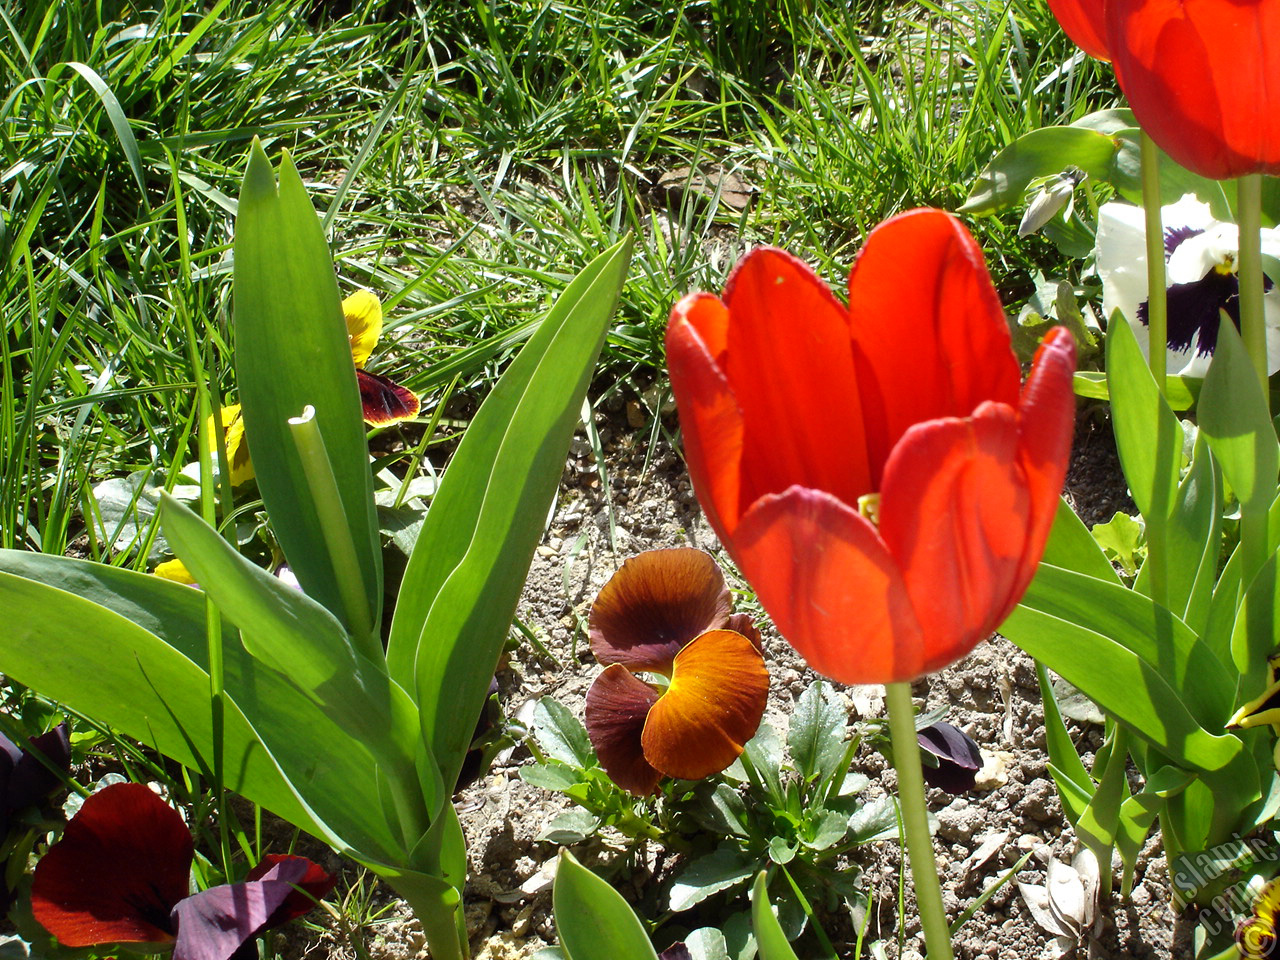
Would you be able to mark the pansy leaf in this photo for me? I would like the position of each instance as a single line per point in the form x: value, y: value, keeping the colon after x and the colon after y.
x: 464, y: 578
x: 816, y: 736
x: 292, y: 351
x: 560, y: 734
x: 727, y: 866
x: 592, y: 919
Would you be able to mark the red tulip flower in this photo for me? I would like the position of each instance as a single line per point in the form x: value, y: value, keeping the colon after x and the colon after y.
x: 875, y: 471
x: 1202, y: 77
x: 668, y: 612
x: 120, y: 874
x: 1082, y: 21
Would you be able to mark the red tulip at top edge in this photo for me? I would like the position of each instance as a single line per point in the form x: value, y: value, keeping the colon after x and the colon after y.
x: 1082, y: 21
x: 1203, y: 79
x: 876, y: 472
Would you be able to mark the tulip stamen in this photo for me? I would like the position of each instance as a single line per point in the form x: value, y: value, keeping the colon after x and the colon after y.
x: 869, y: 507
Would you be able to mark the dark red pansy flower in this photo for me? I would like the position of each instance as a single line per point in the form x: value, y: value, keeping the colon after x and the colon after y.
x: 121, y: 874
x: 668, y: 612
x: 954, y: 757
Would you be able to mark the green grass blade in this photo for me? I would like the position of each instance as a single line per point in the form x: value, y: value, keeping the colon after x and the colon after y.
x: 119, y: 122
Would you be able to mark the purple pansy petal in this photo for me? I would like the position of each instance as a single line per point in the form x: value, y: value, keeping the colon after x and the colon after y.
x: 314, y: 881
x: 212, y: 925
x: 959, y: 759
x: 31, y: 781
x: 617, y: 705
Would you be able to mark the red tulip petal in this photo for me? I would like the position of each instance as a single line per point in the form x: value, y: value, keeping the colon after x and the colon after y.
x: 830, y: 585
x: 121, y: 866
x: 1202, y: 79
x: 617, y: 705
x: 1047, y: 412
x: 790, y: 365
x: 1083, y: 22
x: 955, y: 513
x: 657, y: 602
x: 931, y: 336
x: 712, y: 708
x: 710, y: 421
x: 384, y: 400
x: 315, y: 883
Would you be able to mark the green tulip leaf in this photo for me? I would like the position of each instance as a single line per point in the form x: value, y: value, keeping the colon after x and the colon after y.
x: 1254, y: 633
x: 105, y: 666
x: 1059, y: 745
x: 770, y: 939
x: 1135, y: 660
x: 1192, y: 543
x: 1148, y: 435
x: 1234, y: 418
x: 292, y: 351
x: 464, y: 578
x: 1073, y: 547
x: 282, y: 723
x: 1180, y: 392
x: 592, y: 919
x: 1040, y: 153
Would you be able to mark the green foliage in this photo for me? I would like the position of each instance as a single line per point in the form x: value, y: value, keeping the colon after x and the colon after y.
x: 790, y: 808
x: 1171, y: 658
x: 302, y: 677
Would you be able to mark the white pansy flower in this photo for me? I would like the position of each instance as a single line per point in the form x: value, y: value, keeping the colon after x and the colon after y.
x: 1200, y: 271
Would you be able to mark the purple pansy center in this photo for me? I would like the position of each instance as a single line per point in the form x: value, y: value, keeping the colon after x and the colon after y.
x: 1194, y: 306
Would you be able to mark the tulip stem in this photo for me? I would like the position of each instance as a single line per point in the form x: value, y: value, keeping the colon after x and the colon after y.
x: 1157, y: 298
x: 915, y: 820
x: 1253, y: 328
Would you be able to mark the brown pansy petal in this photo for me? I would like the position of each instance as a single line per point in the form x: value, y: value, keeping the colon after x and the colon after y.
x: 385, y: 401
x: 656, y: 603
x: 712, y: 708
x: 617, y: 705
x: 741, y: 623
